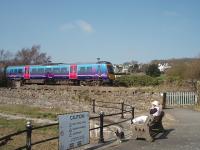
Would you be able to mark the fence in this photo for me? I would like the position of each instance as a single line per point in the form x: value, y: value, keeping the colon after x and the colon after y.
x: 30, y: 128
x: 181, y: 98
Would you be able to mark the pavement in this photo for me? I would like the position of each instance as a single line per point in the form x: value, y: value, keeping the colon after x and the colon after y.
x: 183, y: 134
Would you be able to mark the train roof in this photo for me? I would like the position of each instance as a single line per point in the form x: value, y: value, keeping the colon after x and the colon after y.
x: 62, y: 64
x: 104, y: 62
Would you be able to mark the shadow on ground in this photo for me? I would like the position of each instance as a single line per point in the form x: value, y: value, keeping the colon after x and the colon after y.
x: 164, y: 134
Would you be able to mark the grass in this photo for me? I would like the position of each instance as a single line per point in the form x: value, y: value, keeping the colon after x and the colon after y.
x: 29, y: 111
x: 12, y: 126
x: 197, y: 107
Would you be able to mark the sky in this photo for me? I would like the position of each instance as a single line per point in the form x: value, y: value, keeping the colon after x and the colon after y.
x: 113, y: 30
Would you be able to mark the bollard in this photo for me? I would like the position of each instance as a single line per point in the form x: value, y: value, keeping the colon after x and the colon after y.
x: 93, y: 104
x: 133, y: 115
x: 122, y: 105
x: 28, y: 135
x: 101, y: 139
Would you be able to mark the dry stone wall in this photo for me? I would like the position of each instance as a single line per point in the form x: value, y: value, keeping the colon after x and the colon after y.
x: 78, y: 98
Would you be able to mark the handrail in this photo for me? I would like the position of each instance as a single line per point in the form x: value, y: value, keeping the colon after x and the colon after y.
x: 107, y: 107
x: 94, y: 128
x: 126, y: 111
x: 12, y: 134
x: 44, y: 126
x: 29, y: 128
x: 38, y: 142
x: 42, y: 141
x: 93, y: 117
x: 117, y: 122
x: 108, y: 102
x: 127, y: 105
x: 114, y: 114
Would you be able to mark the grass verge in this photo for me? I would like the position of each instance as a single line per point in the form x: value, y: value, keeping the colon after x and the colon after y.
x: 30, y: 111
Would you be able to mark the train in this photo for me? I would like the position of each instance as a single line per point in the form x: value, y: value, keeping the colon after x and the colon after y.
x: 99, y: 73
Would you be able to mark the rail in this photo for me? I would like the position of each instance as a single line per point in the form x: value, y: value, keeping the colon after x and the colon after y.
x: 29, y: 128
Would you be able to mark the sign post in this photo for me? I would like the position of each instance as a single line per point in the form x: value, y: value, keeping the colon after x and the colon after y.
x: 73, y: 130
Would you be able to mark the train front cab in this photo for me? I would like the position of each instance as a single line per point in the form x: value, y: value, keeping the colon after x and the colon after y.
x: 110, y: 72
x: 107, y: 69
x: 14, y: 75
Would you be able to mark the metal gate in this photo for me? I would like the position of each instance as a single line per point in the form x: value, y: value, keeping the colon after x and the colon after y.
x: 181, y: 98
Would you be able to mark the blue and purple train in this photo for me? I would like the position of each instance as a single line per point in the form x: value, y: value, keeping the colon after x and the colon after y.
x: 77, y: 74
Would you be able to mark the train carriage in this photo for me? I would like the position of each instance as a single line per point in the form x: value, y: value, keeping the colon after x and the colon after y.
x: 15, y: 72
x: 84, y: 74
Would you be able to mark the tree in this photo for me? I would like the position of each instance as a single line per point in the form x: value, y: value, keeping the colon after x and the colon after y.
x: 136, y: 68
x: 5, y: 57
x: 153, y: 71
x: 31, y: 56
x: 133, y: 68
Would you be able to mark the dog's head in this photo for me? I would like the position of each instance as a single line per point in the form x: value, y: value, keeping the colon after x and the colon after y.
x: 117, y: 133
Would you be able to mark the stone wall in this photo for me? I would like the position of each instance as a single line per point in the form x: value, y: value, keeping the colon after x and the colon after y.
x: 78, y: 98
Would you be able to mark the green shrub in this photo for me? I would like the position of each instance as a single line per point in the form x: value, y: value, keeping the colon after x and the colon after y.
x: 153, y: 71
x: 137, y: 80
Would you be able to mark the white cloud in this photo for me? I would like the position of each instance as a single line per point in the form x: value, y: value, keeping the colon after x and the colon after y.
x: 67, y: 26
x: 85, y: 26
x: 75, y: 25
x: 171, y: 13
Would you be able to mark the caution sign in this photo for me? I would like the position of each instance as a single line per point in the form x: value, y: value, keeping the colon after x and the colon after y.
x: 73, y: 130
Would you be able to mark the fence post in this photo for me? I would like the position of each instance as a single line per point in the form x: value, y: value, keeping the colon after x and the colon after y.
x: 122, y: 105
x: 28, y: 135
x: 101, y: 139
x: 164, y: 100
x: 133, y: 114
x: 93, y: 104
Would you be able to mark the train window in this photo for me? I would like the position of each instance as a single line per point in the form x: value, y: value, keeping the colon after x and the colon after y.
x: 47, y: 70
x: 89, y: 70
x: 56, y: 70
x: 20, y: 71
x: 7, y: 71
x: 99, y: 69
x: 82, y: 70
x: 34, y: 71
x: 15, y: 71
x: 40, y: 70
x: 64, y: 71
x: 11, y: 71
x: 110, y: 69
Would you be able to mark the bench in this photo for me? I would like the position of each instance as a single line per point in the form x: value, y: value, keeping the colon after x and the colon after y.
x: 149, y: 129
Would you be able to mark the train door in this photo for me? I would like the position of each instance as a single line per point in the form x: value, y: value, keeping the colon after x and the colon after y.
x: 27, y: 72
x: 73, y: 72
x: 99, y: 70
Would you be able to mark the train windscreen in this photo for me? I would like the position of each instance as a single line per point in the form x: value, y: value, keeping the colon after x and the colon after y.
x: 110, y: 69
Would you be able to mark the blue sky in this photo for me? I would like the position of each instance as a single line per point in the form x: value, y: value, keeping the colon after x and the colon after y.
x: 113, y: 30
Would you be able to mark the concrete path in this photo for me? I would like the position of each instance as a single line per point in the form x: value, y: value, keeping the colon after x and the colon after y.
x: 184, y: 134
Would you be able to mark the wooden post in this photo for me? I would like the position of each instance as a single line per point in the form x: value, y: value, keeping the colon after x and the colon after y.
x: 101, y: 138
x: 164, y: 100
x: 93, y: 104
x: 28, y: 135
x: 122, y: 108
x: 133, y: 115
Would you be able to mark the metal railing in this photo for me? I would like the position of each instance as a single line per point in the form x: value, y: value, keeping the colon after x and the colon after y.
x: 102, y: 125
x: 181, y: 98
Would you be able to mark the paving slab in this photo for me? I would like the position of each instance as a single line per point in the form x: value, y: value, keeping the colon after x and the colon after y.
x: 183, y: 134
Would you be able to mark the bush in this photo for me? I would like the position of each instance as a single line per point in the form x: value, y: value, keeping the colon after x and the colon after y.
x: 153, y: 71
x: 137, y: 80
